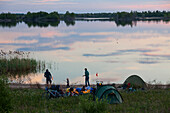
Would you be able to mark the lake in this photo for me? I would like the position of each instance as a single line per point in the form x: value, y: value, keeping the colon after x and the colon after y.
x: 114, y: 51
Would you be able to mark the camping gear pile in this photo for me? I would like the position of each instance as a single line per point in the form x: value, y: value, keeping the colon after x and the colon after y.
x: 79, y: 91
x: 55, y: 91
x: 101, y: 92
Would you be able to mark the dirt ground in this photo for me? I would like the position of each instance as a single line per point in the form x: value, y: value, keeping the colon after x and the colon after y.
x: 38, y: 86
x: 42, y: 86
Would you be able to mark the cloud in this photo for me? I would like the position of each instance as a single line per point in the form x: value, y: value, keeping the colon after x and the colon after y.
x: 47, y: 39
x: 51, y: 2
x: 57, y: 39
x: 44, y: 1
x: 82, y: 6
x: 144, y: 7
x: 157, y: 55
x: 133, y: 68
x: 120, y: 52
x: 36, y: 43
x: 157, y: 45
x: 42, y: 48
x: 5, y: 0
x: 97, y: 33
x: 133, y: 35
x: 137, y: 50
x: 102, y: 55
x: 148, y: 62
x: 111, y: 61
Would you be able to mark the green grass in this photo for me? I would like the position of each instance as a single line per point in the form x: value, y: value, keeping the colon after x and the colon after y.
x: 150, y: 101
x: 5, y: 97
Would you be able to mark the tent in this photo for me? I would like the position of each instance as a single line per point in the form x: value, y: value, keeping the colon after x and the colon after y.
x: 135, y: 81
x: 109, y: 93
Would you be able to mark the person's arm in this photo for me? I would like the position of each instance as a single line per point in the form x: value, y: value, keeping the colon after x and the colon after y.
x: 84, y: 74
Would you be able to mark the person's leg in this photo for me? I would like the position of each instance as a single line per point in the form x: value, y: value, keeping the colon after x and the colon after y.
x: 86, y: 82
x: 50, y: 83
x: 47, y: 83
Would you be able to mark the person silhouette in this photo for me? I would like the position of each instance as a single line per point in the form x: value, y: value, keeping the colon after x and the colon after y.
x: 48, y: 77
x: 68, y: 83
x: 86, y: 77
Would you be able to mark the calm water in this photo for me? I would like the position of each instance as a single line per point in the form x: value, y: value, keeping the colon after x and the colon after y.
x: 114, y: 52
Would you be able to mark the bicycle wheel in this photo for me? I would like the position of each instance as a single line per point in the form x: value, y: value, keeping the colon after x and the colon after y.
x: 46, y: 95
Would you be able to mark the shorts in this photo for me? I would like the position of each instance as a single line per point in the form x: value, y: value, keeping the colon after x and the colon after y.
x: 48, y: 80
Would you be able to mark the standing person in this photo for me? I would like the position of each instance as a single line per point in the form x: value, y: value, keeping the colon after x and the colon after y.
x: 68, y: 83
x: 48, y: 77
x: 86, y: 77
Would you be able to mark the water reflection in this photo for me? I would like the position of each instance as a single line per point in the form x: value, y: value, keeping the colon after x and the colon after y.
x: 101, y: 46
x: 31, y: 78
x: 122, y: 23
x: 42, y: 24
x: 126, y: 23
x: 8, y: 24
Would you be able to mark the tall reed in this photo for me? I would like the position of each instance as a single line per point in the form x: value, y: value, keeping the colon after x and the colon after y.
x: 18, y: 66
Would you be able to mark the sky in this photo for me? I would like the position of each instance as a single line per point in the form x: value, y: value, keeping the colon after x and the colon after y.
x: 82, y: 6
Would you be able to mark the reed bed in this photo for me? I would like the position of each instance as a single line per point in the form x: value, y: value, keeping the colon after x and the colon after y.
x: 18, y: 66
x: 19, y: 63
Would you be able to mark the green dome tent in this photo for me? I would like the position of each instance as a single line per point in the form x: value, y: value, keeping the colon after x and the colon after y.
x: 136, y: 81
x: 109, y: 93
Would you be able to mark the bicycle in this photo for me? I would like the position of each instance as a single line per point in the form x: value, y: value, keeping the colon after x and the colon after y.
x: 50, y: 93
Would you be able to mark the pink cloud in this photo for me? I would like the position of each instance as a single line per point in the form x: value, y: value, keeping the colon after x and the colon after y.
x: 18, y: 41
x: 158, y: 55
x: 144, y: 7
x: 51, y: 2
x: 5, y: 0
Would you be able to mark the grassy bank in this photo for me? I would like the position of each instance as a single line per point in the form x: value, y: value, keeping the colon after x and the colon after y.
x: 30, y: 100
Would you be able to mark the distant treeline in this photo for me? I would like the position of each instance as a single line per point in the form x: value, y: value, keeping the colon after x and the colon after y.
x: 55, y: 16
x: 126, y: 15
x: 44, y: 19
x: 39, y: 16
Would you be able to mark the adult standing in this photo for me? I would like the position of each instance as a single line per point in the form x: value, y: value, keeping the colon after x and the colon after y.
x: 48, y: 77
x: 86, y: 77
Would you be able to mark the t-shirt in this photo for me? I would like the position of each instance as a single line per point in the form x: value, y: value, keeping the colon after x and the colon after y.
x: 86, y: 74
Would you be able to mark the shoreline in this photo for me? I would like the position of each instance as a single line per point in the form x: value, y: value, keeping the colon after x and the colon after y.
x: 87, y: 19
x: 62, y: 86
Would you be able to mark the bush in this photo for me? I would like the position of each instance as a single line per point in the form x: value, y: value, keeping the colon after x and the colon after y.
x: 5, y: 97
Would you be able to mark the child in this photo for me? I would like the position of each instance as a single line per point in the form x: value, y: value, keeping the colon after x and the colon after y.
x: 68, y: 83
